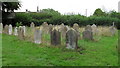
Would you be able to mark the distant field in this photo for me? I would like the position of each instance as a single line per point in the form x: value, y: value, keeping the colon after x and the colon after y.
x: 23, y: 53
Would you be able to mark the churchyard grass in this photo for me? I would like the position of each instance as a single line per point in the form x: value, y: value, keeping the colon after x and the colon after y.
x: 17, y: 52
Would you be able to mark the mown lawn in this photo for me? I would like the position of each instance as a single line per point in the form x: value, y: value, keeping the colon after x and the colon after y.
x: 17, y: 52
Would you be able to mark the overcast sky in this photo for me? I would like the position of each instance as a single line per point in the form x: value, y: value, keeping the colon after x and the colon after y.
x: 69, y: 6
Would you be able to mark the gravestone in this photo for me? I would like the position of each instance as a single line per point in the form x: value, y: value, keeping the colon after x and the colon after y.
x: 24, y: 29
x: 37, y: 35
x: 71, y: 39
x: 88, y: 27
x: 63, y: 30
x: 1, y: 27
x: 76, y: 27
x: 50, y: 28
x: 94, y: 29
x: 10, y: 29
x: 88, y: 35
x: 32, y: 25
x: 112, y: 30
x: 45, y: 28
x: 21, y: 33
x: 6, y: 29
x: 55, y: 36
x: 15, y: 31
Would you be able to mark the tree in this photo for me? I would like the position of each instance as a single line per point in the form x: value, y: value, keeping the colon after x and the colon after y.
x: 99, y: 12
x: 10, y: 6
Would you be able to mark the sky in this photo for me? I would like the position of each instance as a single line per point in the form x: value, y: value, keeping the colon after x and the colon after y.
x: 70, y: 6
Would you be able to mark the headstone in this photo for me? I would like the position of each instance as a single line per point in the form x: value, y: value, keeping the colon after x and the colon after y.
x: 76, y: 27
x: 88, y: 27
x: 112, y: 30
x: 94, y: 29
x: 63, y: 30
x: 21, y: 33
x: 37, y: 35
x: 1, y: 27
x: 6, y: 29
x: 71, y: 39
x: 32, y: 25
x: 15, y: 31
x: 88, y: 35
x: 50, y: 28
x: 10, y: 29
x: 55, y: 36
x: 24, y: 29
x: 45, y: 28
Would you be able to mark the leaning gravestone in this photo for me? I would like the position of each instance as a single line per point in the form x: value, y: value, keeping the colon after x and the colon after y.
x: 1, y: 27
x: 15, y: 31
x: 88, y: 35
x: 71, y: 39
x: 37, y: 35
x: 112, y: 30
x: 21, y: 33
x: 10, y: 29
x: 6, y: 29
x: 55, y: 36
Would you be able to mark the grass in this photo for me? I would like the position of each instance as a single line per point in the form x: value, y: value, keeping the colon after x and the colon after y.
x: 17, y: 52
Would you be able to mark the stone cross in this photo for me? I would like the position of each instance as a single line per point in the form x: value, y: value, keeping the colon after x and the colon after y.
x: 71, y: 39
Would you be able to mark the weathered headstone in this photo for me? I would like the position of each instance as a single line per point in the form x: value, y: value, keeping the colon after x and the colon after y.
x: 112, y: 30
x: 88, y: 27
x: 55, y: 36
x: 10, y: 29
x: 63, y: 30
x: 15, y: 31
x: 6, y: 29
x: 37, y: 35
x: 1, y: 27
x: 76, y: 27
x: 21, y: 33
x: 24, y: 29
x: 94, y: 29
x: 71, y: 39
x: 88, y: 35
x: 45, y: 28
x: 32, y: 25
x: 50, y: 28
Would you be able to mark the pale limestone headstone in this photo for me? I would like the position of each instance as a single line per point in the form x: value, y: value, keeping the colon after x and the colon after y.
x: 32, y: 25
x: 24, y: 29
x: 16, y: 31
x: 88, y: 35
x: 71, y: 39
x: 37, y: 35
x: 94, y: 29
x: 45, y: 28
x: 21, y: 33
x: 55, y: 36
x: 1, y: 27
x: 50, y: 28
x: 6, y: 29
x: 10, y: 29
x: 112, y: 30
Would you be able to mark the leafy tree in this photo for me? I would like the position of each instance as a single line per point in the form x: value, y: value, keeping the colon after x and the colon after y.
x: 99, y: 12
